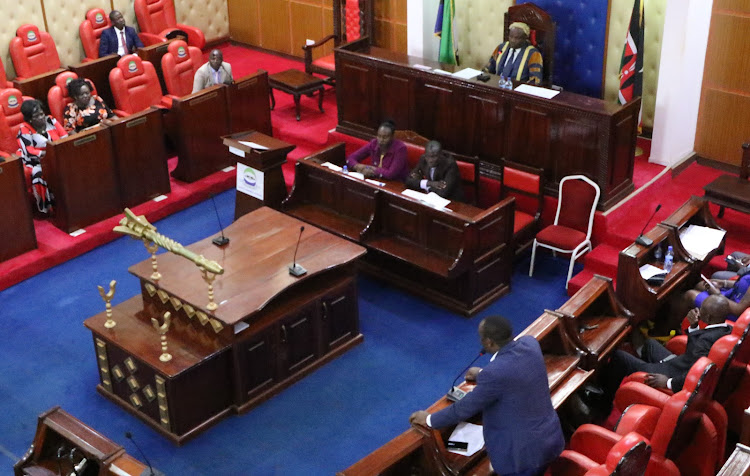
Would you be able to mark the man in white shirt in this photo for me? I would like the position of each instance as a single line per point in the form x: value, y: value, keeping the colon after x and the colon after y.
x: 216, y: 71
x: 120, y: 39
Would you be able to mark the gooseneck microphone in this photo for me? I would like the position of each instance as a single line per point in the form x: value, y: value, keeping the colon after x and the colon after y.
x: 295, y: 269
x: 642, y: 240
x: 455, y: 394
x: 219, y: 240
x: 146, y: 472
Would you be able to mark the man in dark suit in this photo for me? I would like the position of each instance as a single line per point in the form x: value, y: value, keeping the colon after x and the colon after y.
x: 665, y: 369
x: 119, y: 39
x: 522, y: 432
x: 436, y: 172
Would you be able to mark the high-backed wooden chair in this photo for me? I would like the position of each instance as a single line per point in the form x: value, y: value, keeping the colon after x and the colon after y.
x: 732, y: 191
x: 33, y: 52
x: 91, y: 30
x: 542, y: 33
x: 352, y: 20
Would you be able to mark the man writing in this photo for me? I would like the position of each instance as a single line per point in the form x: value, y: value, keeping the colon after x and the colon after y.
x: 517, y: 58
x: 522, y: 432
x: 216, y: 71
x: 436, y: 172
x: 120, y: 39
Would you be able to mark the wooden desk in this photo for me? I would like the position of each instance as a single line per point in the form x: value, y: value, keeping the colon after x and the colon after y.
x: 248, y: 104
x: 98, y: 72
x: 80, y: 171
x: 17, y: 232
x: 140, y: 156
x: 738, y: 463
x: 269, y: 330
x: 571, y: 357
x: 459, y: 258
x: 296, y: 83
x: 569, y: 134
x: 56, y: 429
x: 644, y: 300
x: 197, y: 122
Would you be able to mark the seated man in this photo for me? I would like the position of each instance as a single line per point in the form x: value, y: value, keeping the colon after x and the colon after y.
x: 436, y: 172
x: 665, y: 369
x: 216, y: 71
x: 736, y: 291
x: 119, y: 39
x: 517, y: 58
x: 521, y: 429
x: 387, y: 155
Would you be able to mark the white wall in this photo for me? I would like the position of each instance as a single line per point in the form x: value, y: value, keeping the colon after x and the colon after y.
x: 421, y: 39
x: 680, y: 79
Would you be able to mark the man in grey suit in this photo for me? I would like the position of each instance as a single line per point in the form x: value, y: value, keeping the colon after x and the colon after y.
x: 216, y: 71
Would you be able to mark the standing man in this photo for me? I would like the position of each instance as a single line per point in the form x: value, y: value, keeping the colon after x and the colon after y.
x: 216, y: 71
x: 517, y: 58
x: 522, y: 432
x: 436, y: 172
x: 119, y: 39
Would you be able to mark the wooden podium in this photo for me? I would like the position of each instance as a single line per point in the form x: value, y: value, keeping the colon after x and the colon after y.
x: 197, y: 122
x: 58, y: 432
x: 81, y: 175
x: 248, y: 104
x: 267, y: 161
x: 268, y: 331
x: 140, y: 156
x: 17, y: 234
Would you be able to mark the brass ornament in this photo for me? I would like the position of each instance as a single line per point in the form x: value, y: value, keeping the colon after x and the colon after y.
x: 108, y: 303
x: 153, y: 248
x: 162, y: 330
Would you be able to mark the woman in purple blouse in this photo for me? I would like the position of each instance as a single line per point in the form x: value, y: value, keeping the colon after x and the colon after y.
x: 388, y: 156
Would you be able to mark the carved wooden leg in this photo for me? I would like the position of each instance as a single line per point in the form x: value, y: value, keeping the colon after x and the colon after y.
x: 273, y: 99
x: 320, y: 98
x: 296, y: 105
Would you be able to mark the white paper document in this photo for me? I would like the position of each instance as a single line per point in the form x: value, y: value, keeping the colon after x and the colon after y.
x: 356, y: 175
x: 253, y: 145
x: 467, y: 73
x: 468, y: 433
x: 537, y: 91
x: 699, y: 241
x: 332, y: 166
x: 649, y: 271
x: 441, y: 71
x: 432, y: 198
x: 375, y: 182
x: 422, y: 67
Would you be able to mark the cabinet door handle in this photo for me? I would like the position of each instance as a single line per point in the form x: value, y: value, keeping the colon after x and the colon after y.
x: 325, y: 310
x: 283, y: 333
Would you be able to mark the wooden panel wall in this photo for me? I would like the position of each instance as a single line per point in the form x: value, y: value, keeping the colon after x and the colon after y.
x: 284, y: 25
x: 724, y: 114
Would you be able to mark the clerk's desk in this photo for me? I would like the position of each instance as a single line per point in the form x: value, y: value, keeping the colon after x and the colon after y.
x: 459, y: 257
x: 17, y: 231
x: 269, y: 330
x: 575, y: 340
x: 644, y: 300
x: 568, y: 134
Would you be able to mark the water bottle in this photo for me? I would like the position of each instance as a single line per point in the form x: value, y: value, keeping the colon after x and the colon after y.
x: 658, y: 255
x: 345, y: 169
x: 508, y: 83
x: 501, y: 82
x: 669, y: 260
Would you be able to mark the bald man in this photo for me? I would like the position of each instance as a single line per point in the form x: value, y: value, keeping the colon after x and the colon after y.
x: 517, y: 58
x: 216, y: 71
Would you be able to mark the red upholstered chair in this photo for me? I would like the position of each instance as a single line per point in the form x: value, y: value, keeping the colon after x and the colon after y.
x: 571, y: 232
x: 628, y: 457
x: 157, y: 18
x: 179, y: 65
x: 33, y: 52
x: 352, y: 20
x: 135, y: 86
x: 4, y: 83
x: 57, y: 97
x: 526, y: 185
x: 91, y: 30
x: 10, y: 118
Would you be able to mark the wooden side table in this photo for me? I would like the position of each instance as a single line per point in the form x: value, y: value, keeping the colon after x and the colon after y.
x: 296, y: 83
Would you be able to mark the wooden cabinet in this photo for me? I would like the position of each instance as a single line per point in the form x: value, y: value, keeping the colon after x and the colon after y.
x: 339, y: 317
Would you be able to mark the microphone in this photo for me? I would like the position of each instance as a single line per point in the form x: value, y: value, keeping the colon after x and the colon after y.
x: 455, y: 394
x: 642, y: 240
x: 229, y: 76
x: 219, y: 240
x: 151, y: 470
x: 295, y: 269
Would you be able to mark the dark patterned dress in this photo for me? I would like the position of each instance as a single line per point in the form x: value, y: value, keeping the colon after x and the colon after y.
x: 31, y: 145
x: 76, y: 119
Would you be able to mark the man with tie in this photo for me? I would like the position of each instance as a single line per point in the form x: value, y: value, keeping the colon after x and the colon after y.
x: 216, y: 71
x: 436, y: 172
x: 517, y: 58
x: 119, y: 39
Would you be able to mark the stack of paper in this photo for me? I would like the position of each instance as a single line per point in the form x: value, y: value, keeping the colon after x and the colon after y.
x: 332, y: 166
x: 649, y: 271
x: 467, y: 73
x: 468, y: 433
x: 537, y: 91
x: 253, y: 145
x: 432, y: 198
x: 699, y: 241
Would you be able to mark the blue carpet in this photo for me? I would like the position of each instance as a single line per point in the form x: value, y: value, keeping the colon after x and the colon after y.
x: 324, y: 423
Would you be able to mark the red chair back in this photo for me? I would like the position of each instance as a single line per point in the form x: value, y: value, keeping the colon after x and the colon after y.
x: 33, y: 52
x: 91, y: 30
x: 155, y: 16
x: 179, y: 65
x: 353, y: 29
x: 58, y: 98
x: 4, y: 83
x: 525, y: 187
x: 10, y: 118
x: 134, y: 84
x: 628, y: 457
x: 577, y: 203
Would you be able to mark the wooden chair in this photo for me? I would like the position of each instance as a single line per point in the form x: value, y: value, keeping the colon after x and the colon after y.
x: 732, y: 191
x: 352, y: 20
x: 542, y: 33
x: 526, y: 185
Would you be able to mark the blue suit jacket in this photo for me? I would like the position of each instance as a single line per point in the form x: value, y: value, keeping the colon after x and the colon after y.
x: 108, y: 41
x: 521, y: 428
